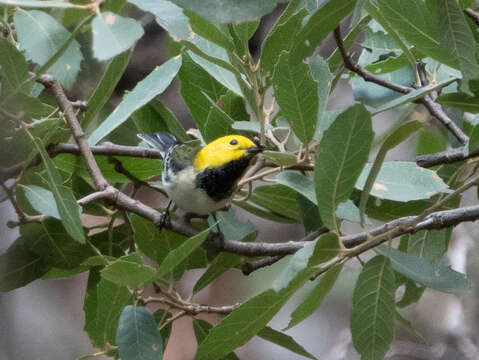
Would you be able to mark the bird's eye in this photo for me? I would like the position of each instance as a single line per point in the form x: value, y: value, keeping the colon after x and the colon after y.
x: 234, y: 142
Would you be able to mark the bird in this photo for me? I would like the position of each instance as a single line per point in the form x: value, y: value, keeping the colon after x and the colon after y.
x: 202, y: 179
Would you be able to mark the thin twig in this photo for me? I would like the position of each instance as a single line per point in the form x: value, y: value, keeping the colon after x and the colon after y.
x: 445, y: 157
x: 474, y: 15
x: 249, y: 267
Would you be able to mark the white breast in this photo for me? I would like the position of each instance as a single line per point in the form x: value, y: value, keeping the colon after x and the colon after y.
x: 186, y: 196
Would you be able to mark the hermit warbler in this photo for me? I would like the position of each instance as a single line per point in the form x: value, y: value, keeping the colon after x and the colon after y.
x: 201, y: 180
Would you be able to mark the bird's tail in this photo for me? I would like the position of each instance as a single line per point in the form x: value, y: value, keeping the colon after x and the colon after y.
x: 163, y: 141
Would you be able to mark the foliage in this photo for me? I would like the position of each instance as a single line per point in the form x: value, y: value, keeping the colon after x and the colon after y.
x: 322, y: 168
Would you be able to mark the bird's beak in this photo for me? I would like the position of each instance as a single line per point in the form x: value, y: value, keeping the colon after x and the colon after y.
x: 256, y: 149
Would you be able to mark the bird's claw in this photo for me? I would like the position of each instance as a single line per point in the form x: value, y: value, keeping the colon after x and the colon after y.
x: 164, y: 219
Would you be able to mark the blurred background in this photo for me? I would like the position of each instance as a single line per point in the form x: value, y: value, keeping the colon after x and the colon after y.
x: 45, y: 320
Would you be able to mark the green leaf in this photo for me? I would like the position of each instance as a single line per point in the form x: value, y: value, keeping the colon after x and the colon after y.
x: 113, y: 34
x: 137, y: 336
x: 457, y: 37
x: 280, y: 158
x: 348, y: 211
x: 201, y: 329
x: 428, y: 244
x: 319, y: 25
x: 172, y: 123
x: 128, y: 273
x: 373, y: 310
x: 217, y: 124
x: 138, y: 167
x: 344, y: 151
x: 49, y: 240
x: 176, y: 256
x: 153, y: 243
x: 434, y: 276
x: 160, y: 316
x: 20, y: 266
x: 403, y: 181
x: 309, y: 214
x: 228, y: 11
x: 66, y: 203
x: 220, y: 73
x: 282, y: 38
x: 299, y: 183
x: 315, y: 297
x: 277, y: 198
x: 195, y: 83
x: 400, y: 134
x: 13, y: 67
x: 41, y: 200
x: 154, y: 84
x: 106, y: 86
x: 241, y: 33
x: 168, y: 15
x: 37, y: 4
x: 473, y: 142
x: 461, y: 101
x: 221, y: 264
x: 209, y: 31
x: 262, y: 213
x: 109, y: 303
x: 233, y: 228
x: 321, y: 74
x: 413, y: 95
x: 413, y: 21
x: 41, y: 36
x: 283, y: 340
x: 297, y: 95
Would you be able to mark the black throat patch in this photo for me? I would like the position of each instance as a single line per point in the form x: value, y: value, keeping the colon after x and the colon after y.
x: 219, y: 182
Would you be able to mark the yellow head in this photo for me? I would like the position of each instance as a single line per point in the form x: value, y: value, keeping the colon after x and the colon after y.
x: 223, y: 150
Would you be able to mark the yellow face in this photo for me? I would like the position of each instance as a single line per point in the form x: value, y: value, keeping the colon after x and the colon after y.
x: 222, y: 150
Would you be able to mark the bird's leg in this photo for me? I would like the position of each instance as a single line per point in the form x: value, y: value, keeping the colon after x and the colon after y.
x: 165, y: 216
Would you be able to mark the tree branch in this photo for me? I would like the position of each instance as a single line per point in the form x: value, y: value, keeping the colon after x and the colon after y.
x: 474, y: 15
x: 434, y: 108
x: 445, y: 157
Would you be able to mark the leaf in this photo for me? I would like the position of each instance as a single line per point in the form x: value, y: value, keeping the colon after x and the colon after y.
x: 297, y: 95
x: 413, y: 95
x: 283, y: 340
x: 177, y: 255
x: 201, y: 329
x: 457, y: 37
x: 241, y: 34
x: 315, y: 297
x: 49, y: 240
x: 168, y: 15
x: 282, y: 38
x: 209, y: 31
x: 220, y: 73
x: 37, y: 4
x: 41, y: 36
x: 428, y: 244
x: 137, y: 336
x: 41, y: 200
x: 217, y: 124
x: 309, y: 214
x: 413, y: 20
x: 348, y: 211
x: 280, y: 158
x: 403, y: 181
x: 66, y: 203
x: 173, y: 125
x: 13, y: 67
x: 318, y: 26
x: 110, y: 301
x: 195, y: 83
x: 400, y: 134
x: 113, y: 34
x: 221, y: 264
x: 434, y: 276
x: 233, y: 228
x: 299, y: 183
x: 262, y: 213
x: 153, y: 243
x: 143, y: 169
x: 344, y: 151
x: 106, y: 86
x: 321, y: 74
x: 128, y: 273
x: 20, y: 266
x: 373, y: 309
x: 154, y: 84
x: 277, y: 198
x: 228, y: 11
x: 160, y: 316
x: 461, y: 101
